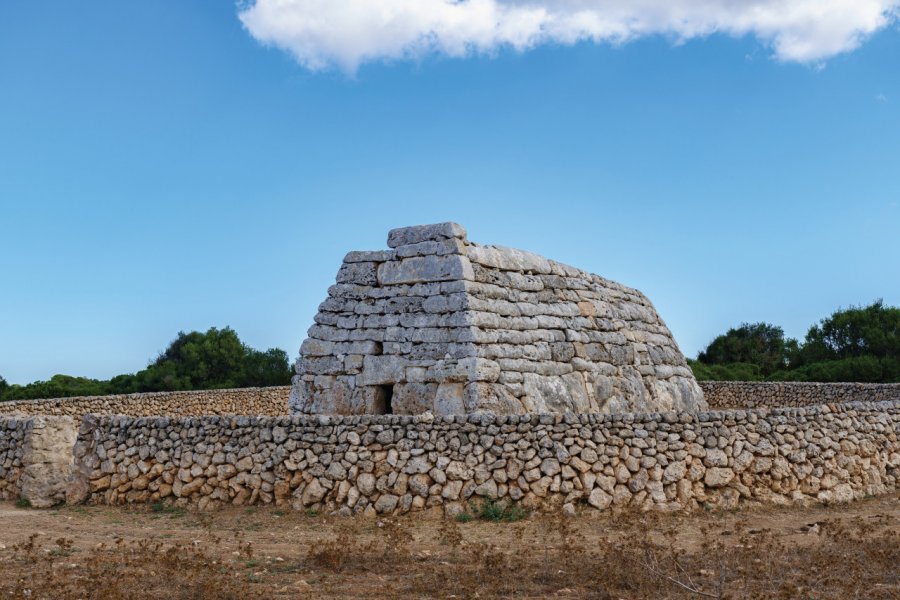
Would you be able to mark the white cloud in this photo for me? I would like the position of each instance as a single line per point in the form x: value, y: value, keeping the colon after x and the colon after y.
x: 880, y: 98
x: 345, y: 33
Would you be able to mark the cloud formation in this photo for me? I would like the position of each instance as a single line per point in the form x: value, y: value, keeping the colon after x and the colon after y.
x: 346, y: 33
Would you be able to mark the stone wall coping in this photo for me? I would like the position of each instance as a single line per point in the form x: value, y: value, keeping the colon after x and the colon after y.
x: 488, y: 419
x: 137, y: 396
x: 813, y: 384
x: 10, y: 408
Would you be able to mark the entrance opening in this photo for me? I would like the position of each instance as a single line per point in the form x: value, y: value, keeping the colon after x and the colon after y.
x: 383, y: 396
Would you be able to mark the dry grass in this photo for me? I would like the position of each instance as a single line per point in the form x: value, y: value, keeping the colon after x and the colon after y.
x: 783, y: 553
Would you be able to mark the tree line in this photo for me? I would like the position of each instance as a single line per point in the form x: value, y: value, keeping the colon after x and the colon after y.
x: 859, y: 344
x: 216, y: 359
x: 855, y: 344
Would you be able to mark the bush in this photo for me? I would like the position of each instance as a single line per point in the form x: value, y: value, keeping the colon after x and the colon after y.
x: 500, y: 512
x: 728, y: 372
x: 759, y: 344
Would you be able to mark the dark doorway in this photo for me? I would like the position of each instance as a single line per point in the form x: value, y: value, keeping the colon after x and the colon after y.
x: 383, y: 396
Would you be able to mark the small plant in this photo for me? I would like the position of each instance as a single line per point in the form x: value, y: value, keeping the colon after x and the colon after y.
x: 65, y: 547
x: 499, y: 512
x: 23, y: 503
x: 464, y: 517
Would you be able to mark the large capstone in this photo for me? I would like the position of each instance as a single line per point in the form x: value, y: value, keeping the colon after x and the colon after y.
x: 441, y: 324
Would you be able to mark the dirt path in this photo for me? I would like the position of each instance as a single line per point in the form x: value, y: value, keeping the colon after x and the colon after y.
x: 845, y: 551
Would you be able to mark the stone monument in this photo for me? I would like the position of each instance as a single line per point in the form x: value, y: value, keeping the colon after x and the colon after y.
x: 437, y: 323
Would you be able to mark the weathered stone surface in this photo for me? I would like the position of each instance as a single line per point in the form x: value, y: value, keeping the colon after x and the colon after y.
x: 416, y: 234
x: 49, y: 465
x: 718, y: 477
x: 423, y: 269
x: 599, y: 499
x: 518, y: 332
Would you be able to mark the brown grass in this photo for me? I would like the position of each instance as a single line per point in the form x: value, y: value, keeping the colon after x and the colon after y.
x: 780, y: 553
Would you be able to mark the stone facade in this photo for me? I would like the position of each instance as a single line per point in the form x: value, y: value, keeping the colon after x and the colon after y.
x: 270, y: 401
x: 759, y: 394
x: 396, y: 464
x: 439, y: 324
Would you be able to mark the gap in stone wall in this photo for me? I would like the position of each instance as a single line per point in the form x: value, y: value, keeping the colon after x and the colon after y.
x: 384, y: 395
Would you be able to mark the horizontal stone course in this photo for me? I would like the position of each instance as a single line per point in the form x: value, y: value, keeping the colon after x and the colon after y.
x: 272, y: 401
x: 259, y: 401
x: 753, y: 394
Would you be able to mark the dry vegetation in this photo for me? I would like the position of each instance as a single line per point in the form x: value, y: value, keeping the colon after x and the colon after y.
x: 154, y: 552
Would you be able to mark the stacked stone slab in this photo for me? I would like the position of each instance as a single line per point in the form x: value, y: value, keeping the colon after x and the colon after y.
x: 437, y: 323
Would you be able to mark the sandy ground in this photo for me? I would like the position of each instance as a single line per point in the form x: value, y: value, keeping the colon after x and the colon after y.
x: 280, y: 553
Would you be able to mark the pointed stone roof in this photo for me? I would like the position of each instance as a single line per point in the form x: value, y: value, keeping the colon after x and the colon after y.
x: 437, y: 323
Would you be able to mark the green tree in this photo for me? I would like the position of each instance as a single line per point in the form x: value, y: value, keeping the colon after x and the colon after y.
x: 759, y: 344
x: 262, y: 369
x: 854, y: 344
x: 213, y: 360
x: 872, y: 330
x: 729, y: 372
x: 192, y: 361
x: 58, y: 386
x: 3, y: 387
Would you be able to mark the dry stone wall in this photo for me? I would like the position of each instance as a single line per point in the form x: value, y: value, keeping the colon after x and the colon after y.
x: 12, y: 450
x: 273, y: 401
x: 396, y: 464
x: 758, y: 394
x: 243, y: 401
x: 440, y: 324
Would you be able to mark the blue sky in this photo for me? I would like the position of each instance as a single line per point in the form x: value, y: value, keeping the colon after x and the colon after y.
x: 162, y: 169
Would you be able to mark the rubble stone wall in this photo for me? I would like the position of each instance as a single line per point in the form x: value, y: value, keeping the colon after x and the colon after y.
x: 395, y: 464
x: 270, y: 401
x: 758, y: 394
x: 13, y: 432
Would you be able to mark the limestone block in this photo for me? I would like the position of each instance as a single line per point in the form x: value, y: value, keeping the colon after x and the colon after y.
x: 413, y: 398
x: 314, y: 347
x: 48, y: 462
x: 437, y: 248
x: 357, y: 256
x: 360, y: 273
x: 464, y: 370
x: 449, y: 399
x: 405, y: 236
x: 490, y: 397
x: 382, y: 370
x: 420, y: 269
x: 508, y: 259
